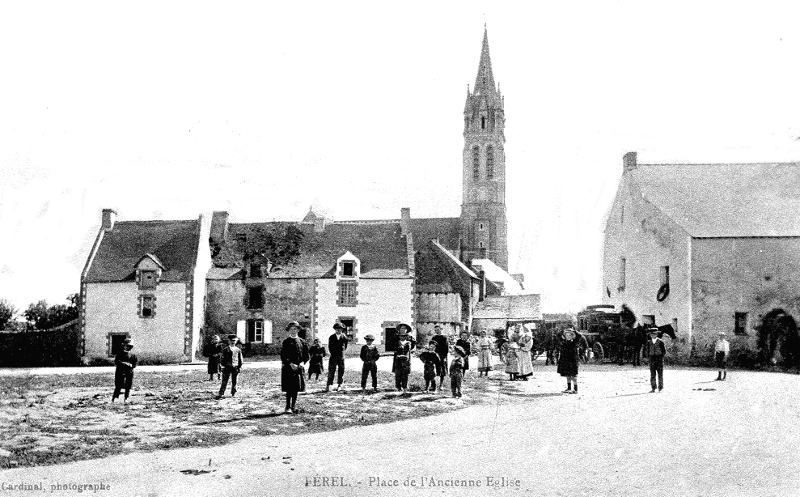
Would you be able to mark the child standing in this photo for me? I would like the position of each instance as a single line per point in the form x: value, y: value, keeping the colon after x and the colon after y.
x: 430, y: 359
x: 568, y: 360
x: 123, y: 376
x: 317, y: 353
x: 484, y: 354
x: 721, y: 350
x: 370, y: 356
x: 401, y: 367
x: 463, y: 342
x: 457, y: 371
x: 512, y: 360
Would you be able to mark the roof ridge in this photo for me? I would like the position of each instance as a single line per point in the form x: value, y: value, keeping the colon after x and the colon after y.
x: 706, y: 164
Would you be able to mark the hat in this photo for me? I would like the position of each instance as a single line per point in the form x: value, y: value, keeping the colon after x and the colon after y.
x: 127, y: 344
x: 232, y: 337
x: 570, y: 330
x: 293, y: 323
x: 460, y: 350
x: 403, y: 328
x: 402, y: 334
x: 369, y: 337
x: 126, y: 340
x: 721, y: 333
x: 652, y: 331
x: 339, y: 326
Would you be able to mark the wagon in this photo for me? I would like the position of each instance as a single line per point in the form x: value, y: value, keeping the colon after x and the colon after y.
x: 600, y: 329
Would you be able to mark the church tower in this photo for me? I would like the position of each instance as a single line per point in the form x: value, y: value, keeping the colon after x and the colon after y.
x: 483, y: 208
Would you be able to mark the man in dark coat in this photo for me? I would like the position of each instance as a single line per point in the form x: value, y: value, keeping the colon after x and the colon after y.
x: 294, y: 353
x: 442, y: 348
x: 656, y: 350
x: 231, y: 366
x: 125, y: 362
x: 337, y: 343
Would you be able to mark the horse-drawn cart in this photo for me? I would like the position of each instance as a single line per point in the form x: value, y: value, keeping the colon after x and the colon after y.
x: 603, y: 332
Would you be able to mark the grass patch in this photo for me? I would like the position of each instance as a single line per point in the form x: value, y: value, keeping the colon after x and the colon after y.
x: 52, y: 419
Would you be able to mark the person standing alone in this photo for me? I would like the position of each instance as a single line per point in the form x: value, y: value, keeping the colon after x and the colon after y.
x: 337, y: 343
x: 721, y: 350
x: 123, y: 376
x: 656, y: 350
x: 231, y: 365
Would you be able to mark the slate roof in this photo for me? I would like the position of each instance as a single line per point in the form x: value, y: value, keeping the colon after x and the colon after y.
x: 379, y: 246
x: 173, y: 243
x: 725, y: 200
x: 509, y: 307
x: 445, y: 229
x: 439, y: 271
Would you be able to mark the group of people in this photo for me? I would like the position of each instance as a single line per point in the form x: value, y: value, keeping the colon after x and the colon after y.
x: 225, y: 361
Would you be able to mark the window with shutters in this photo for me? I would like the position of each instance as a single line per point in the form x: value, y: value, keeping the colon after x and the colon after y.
x: 255, y: 330
x: 489, y: 162
x: 476, y: 163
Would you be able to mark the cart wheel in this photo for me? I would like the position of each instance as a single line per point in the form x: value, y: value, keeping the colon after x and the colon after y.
x: 599, y: 353
x: 584, y: 350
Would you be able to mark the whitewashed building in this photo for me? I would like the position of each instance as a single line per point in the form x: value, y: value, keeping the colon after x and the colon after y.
x: 145, y: 280
x: 708, y: 248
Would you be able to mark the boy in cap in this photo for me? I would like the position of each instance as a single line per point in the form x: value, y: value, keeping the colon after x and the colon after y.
x: 457, y: 371
x: 337, y: 343
x: 401, y: 367
x: 656, y: 350
x: 370, y: 356
x: 231, y: 365
x: 125, y: 362
x: 442, y: 348
x: 721, y: 350
x: 429, y: 360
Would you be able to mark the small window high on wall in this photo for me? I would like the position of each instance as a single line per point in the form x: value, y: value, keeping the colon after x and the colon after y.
x: 489, y: 162
x: 476, y: 163
x: 740, y: 323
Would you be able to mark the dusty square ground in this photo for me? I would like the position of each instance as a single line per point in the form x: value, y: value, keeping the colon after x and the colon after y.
x: 698, y: 437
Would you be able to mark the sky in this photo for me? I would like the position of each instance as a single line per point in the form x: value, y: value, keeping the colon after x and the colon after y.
x: 165, y: 110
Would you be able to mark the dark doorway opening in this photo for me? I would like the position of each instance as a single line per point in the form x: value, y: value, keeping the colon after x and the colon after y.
x: 390, y: 339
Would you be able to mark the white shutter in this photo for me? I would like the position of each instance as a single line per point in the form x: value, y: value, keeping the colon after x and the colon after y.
x: 267, y: 331
x: 241, y: 330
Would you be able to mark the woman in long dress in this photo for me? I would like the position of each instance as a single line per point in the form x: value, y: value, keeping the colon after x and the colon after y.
x: 525, y: 363
x: 568, y: 360
x: 214, y: 357
x: 512, y: 360
x: 484, y: 354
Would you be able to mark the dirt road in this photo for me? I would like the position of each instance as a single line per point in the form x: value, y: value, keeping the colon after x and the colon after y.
x: 698, y: 437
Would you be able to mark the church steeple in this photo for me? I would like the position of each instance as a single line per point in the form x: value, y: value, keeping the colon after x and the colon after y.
x: 483, y: 208
x: 484, y: 81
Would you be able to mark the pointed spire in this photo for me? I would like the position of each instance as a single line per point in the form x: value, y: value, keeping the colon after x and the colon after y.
x: 484, y: 82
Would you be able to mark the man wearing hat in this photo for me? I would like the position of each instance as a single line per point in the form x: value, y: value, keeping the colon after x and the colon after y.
x: 337, y: 343
x: 442, y: 348
x: 656, y: 350
x: 370, y: 356
x: 721, y: 350
x: 231, y: 363
x: 294, y: 353
x: 125, y: 361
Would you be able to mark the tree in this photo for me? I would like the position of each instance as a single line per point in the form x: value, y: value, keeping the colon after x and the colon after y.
x: 7, y: 313
x: 43, y: 317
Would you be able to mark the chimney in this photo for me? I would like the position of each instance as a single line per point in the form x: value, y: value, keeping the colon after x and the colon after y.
x: 405, y: 220
x: 628, y: 162
x: 108, y: 220
x: 319, y: 224
x: 219, y: 226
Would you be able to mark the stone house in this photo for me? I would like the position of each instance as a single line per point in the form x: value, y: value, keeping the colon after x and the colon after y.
x: 358, y: 273
x: 145, y: 280
x: 708, y: 248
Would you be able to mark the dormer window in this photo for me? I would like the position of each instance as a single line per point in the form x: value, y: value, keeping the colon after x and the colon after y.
x: 148, y: 278
x: 348, y: 269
